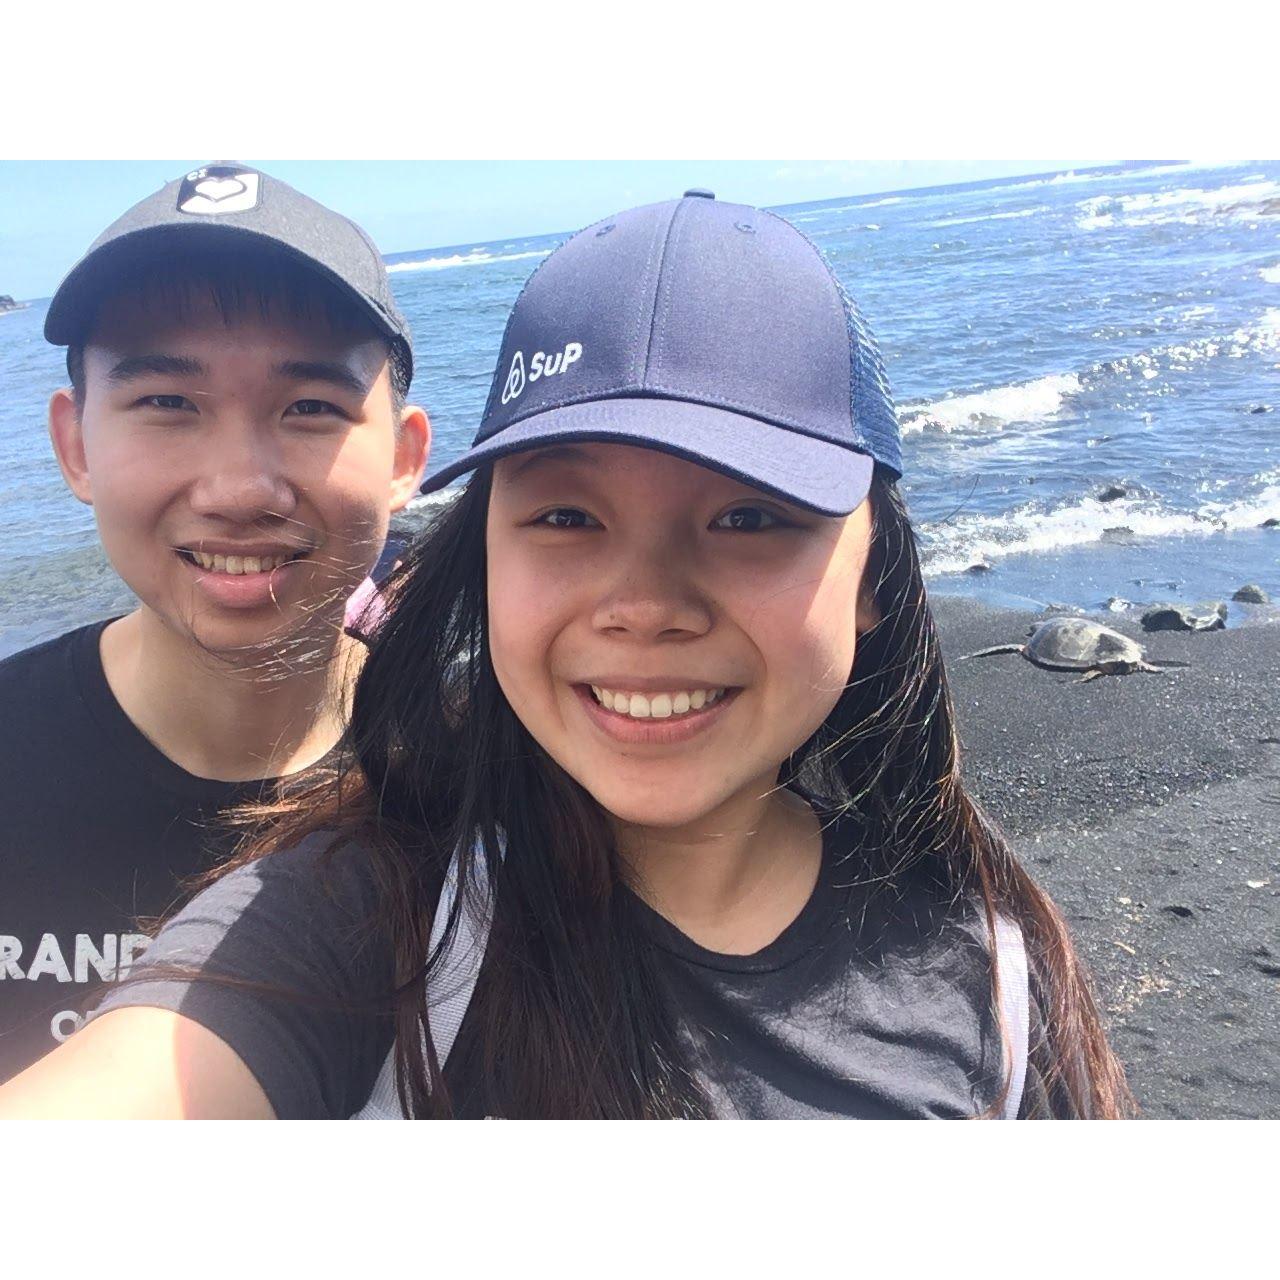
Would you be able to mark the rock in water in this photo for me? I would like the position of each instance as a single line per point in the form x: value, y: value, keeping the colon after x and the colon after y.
x: 1251, y: 593
x: 979, y: 566
x: 1269, y: 523
x: 1260, y: 408
x: 1112, y: 492
x: 1118, y: 604
x: 1180, y: 617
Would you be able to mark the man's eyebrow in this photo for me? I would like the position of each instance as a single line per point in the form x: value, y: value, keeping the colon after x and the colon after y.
x: 329, y: 371
x: 553, y: 453
x: 132, y: 367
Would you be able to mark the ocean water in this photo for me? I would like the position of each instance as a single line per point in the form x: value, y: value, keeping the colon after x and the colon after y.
x: 1045, y: 338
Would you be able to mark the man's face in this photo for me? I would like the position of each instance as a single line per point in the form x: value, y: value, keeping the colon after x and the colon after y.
x: 242, y: 473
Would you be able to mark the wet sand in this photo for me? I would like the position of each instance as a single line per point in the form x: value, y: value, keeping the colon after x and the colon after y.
x: 1149, y: 807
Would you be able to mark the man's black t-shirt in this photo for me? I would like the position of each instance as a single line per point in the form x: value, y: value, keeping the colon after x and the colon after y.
x: 99, y: 828
x: 869, y: 1004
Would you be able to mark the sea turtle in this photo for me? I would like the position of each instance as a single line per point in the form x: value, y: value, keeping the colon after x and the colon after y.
x: 1078, y: 644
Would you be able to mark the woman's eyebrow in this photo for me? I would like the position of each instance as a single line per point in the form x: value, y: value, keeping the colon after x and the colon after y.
x: 329, y: 371
x: 133, y: 367
x: 557, y: 453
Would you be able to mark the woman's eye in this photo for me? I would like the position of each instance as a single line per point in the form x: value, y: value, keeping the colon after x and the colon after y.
x: 166, y: 402
x: 565, y: 518
x: 747, y: 520
x: 313, y: 408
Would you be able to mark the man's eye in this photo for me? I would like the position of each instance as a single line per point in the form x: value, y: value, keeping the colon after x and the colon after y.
x: 166, y: 402
x: 747, y: 520
x: 313, y: 408
x: 565, y: 518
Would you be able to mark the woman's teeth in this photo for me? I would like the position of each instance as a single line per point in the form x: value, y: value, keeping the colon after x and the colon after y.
x: 660, y: 706
x: 239, y: 564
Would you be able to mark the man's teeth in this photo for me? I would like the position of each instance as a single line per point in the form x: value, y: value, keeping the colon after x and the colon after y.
x: 660, y: 706
x: 239, y: 564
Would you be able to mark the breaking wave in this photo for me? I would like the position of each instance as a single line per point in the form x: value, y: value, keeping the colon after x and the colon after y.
x: 1032, y: 401
x: 1188, y: 205
x: 473, y: 259
x: 987, y: 217
x: 953, y: 547
x: 424, y: 503
x: 1060, y: 179
x: 1043, y: 398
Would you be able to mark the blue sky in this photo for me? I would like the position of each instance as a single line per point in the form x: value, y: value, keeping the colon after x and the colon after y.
x: 50, y: 211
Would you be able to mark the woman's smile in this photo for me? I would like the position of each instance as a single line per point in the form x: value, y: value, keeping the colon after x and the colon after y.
x: 655, y: 718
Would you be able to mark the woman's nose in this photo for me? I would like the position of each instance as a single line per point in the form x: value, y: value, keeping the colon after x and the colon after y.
x: 654, y: 595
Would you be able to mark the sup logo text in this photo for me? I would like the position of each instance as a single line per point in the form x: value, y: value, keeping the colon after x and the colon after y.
x: 541, y: 365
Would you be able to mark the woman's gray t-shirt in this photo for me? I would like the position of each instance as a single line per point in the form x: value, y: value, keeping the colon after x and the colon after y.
x: 872, y: 1003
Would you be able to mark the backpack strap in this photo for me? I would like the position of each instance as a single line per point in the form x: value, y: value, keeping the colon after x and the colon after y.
x: 1014, y: 1000
x: 451, y: 985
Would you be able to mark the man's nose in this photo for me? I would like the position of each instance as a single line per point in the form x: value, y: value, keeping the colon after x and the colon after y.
x: 242, y: 477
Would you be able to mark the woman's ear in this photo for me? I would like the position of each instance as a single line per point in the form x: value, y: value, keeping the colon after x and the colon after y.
x: 413, y: 447
x: 67, y: 433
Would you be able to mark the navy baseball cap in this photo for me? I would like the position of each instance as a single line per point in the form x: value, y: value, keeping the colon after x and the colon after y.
x: 230, y: 204
x: 712, y: 331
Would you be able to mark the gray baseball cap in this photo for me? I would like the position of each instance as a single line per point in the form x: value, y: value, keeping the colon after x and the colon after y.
x: 712, y: 331
x: 230, y: 204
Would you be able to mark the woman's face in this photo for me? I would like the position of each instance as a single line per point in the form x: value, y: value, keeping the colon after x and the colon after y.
x: 669, y: 635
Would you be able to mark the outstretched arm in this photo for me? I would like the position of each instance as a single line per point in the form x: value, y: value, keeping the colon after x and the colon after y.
x: 268, y: 995
x: 137, y: 1064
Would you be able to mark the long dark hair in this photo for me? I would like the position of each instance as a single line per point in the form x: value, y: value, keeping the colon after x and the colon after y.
x: 570, y: 1013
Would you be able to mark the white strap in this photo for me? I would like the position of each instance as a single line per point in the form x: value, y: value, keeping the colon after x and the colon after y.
x: 1014, y: 998
x: 451, y: 986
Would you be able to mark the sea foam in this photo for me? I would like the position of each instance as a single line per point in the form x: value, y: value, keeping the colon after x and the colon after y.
x: 953, y: 547
x: 1187, y: 205
x: 1032, y: 401
x: 1071, y: 176
x: 1041, y: 399
x: 988, y: 217
x: 473, y: 259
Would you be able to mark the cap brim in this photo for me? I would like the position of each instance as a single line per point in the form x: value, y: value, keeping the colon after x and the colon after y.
x: 827, y: 478
x: 97, y: 271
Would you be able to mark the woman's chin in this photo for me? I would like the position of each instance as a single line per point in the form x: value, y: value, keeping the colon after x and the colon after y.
x: 653, y: 806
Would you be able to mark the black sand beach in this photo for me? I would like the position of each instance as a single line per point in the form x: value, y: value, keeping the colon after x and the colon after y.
x: 1149, y: 807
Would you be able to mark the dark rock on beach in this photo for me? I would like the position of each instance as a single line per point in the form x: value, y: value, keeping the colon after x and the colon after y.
x: 1251, y: 593
x: 1149, y: 807
x: 1178, y: 617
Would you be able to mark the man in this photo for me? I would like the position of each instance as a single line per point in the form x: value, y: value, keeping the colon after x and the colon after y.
x: 236, y: 419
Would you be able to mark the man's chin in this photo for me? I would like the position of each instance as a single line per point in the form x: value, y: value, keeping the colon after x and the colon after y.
x: 256, y: 640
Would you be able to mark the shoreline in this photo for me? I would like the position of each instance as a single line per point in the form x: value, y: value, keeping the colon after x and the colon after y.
x: 1148, y: 807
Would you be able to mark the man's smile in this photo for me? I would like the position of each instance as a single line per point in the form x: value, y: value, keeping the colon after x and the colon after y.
x: 239, y: 558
